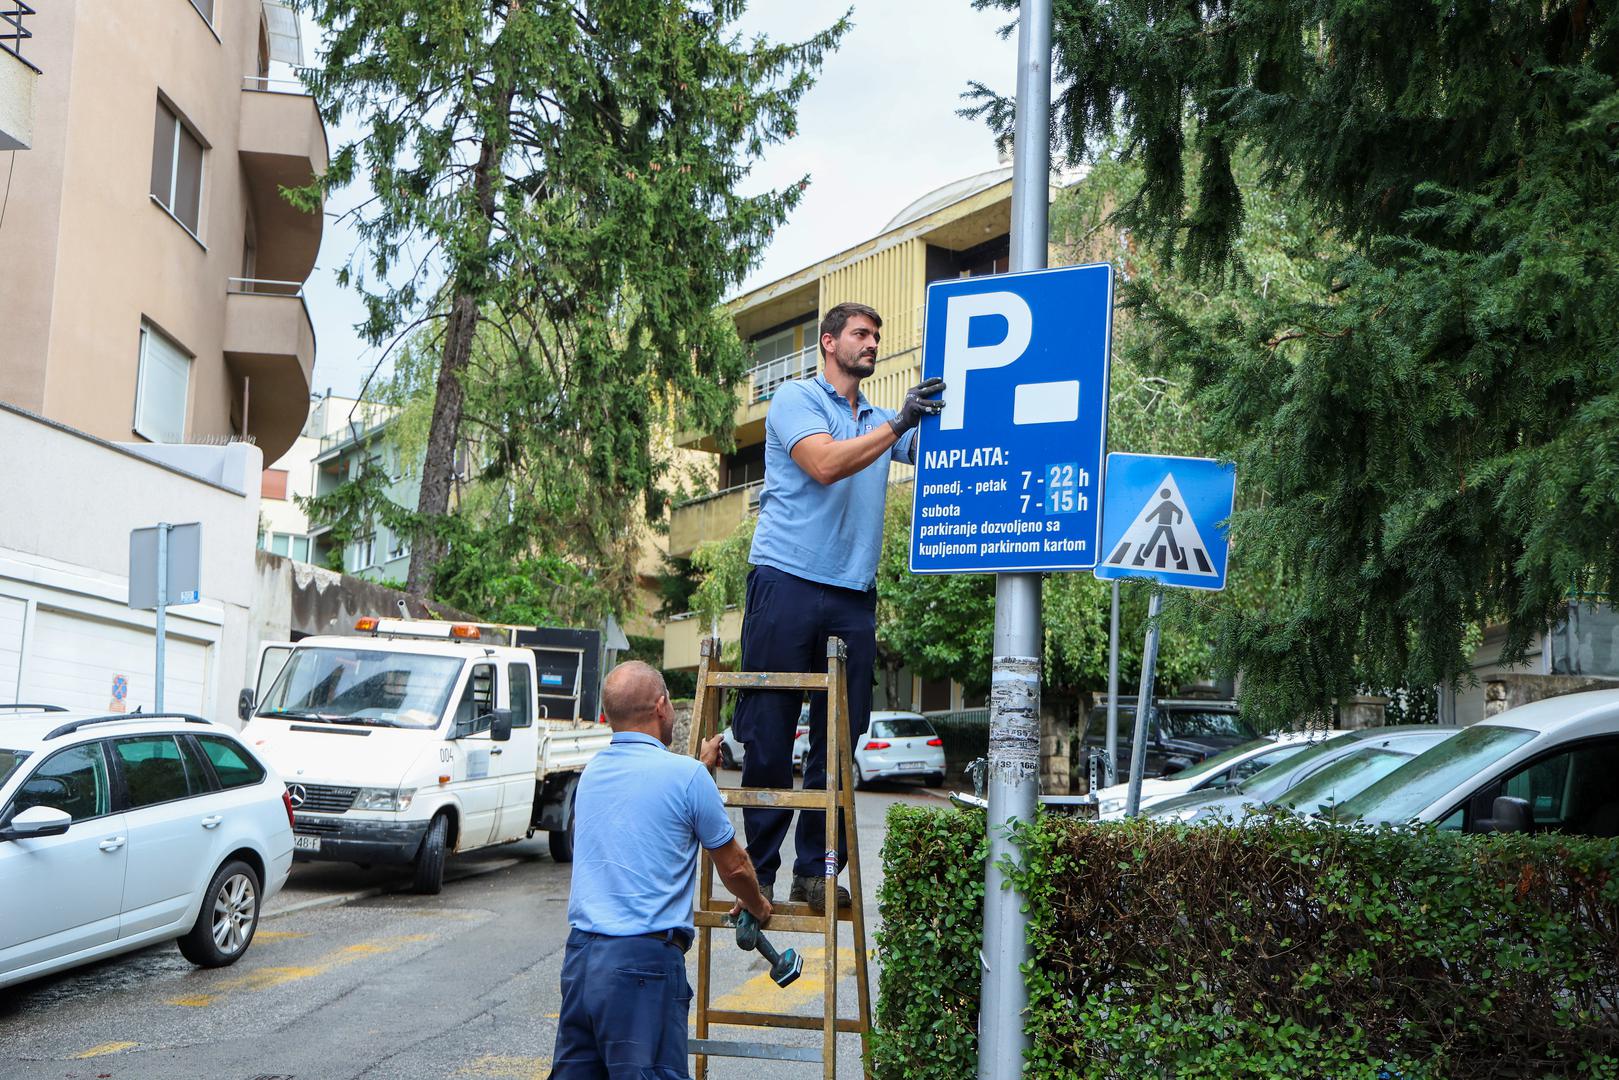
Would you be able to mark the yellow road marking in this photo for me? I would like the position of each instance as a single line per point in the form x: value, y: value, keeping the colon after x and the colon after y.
x: 104, y: 1049
x: 279, y: 935
x: 760, y: 994
x: 496, y: 1065
x: 268, y: 977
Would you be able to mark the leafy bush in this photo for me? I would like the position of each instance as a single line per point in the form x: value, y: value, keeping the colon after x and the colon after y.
x: 1276, y: 950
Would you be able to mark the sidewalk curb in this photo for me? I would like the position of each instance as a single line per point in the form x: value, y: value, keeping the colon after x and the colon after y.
x: 339, y: 899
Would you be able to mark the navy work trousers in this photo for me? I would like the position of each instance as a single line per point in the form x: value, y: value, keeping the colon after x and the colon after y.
x: 785, y: 625
x: 624, y: 1007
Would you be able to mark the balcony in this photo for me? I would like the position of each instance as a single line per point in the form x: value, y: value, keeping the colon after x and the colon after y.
x: 270, y: 342
x: 683, y: 636
x: 17, y: 78
x: 283, y: 144
x: 712, y: 517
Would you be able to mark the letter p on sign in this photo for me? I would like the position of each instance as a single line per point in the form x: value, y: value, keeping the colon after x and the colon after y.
x: 1033, y: 403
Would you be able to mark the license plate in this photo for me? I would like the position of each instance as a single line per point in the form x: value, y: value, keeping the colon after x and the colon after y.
x: 305, y: 843
x: 913, y: 764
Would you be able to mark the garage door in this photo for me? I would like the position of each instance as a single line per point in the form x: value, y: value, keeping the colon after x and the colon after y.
x: 11, y: 616
x: 73, y: 660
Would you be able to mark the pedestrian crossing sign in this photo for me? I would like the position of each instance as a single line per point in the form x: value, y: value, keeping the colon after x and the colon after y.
x: 1164, y: 518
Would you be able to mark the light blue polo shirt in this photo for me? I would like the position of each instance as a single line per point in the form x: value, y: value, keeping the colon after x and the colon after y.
x: 830, y: 533
x: 641, y: 813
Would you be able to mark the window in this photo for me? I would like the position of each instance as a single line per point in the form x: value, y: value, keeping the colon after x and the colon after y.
x: 477, y: 700
x: 1572, y: 792
x: 293, y: 547
x: 399, y: 548
x: 273, y: 485
x: 522, y: 696
x: 154, y: 771
x: 177, y: 168
x: 162, y: 383
x: 363, y: 552
x: 231, y: 763
x: 74, y: 780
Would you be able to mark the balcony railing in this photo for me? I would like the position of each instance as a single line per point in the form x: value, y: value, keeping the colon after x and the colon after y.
x: 264, y: 286
x: 771, y: 374
x: 274, y: 86
x: 12, y: 32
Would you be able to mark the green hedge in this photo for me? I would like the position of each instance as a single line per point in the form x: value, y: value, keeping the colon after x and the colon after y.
x: 1273, y: 950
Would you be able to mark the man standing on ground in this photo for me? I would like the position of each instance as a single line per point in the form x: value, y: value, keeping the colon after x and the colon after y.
x: 642, y: 812
x: 814, y: 575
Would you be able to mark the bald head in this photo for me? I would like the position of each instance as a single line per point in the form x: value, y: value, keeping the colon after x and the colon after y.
x: 635, y: 699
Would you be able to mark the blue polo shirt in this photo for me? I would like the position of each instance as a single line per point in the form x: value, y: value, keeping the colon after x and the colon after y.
x: 830, y: 533
x: 641, y: 813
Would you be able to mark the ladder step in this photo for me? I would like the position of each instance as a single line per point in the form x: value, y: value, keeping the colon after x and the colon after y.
x: 768, y: 1051
x: 784, y: 798
x: 792, y: 924
x: 781, y: 1020
x: 766, y: 680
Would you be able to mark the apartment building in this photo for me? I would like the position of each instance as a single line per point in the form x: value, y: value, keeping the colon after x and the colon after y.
x: 358, y: 439
x: 154, y: 272
x: 959, y: 230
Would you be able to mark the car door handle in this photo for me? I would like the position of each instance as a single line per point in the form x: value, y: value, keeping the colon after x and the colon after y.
x: 496, y: 750
x: 111, y: 843
x: 211, y: 821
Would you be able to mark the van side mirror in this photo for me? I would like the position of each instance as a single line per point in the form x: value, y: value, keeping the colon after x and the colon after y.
x: 1509, y: 815
x: 37, y: 821
x: 500, y: 725
x: 244, y: 704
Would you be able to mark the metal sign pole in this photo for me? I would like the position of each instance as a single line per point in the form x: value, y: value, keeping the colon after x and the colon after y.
x: 1149, y: 660
x: 1014, y: 718
x: 162, y: 602
x: 1113, y: 690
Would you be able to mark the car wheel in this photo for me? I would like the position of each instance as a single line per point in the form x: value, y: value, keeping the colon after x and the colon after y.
x: 727, y: 758
x: 860, y: 782
x: 430, y: 859
x: 229, y: 915
x: 562, y: 841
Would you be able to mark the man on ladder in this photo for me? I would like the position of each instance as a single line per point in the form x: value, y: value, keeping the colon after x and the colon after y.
x: 814, y: 557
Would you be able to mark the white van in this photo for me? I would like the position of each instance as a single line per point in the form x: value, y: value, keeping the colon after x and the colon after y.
x: 415, y: 742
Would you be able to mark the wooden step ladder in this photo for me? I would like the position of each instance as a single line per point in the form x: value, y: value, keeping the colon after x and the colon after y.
x: 711, y: 914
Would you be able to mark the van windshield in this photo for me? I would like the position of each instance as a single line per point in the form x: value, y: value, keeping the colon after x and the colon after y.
x: 362, y: 686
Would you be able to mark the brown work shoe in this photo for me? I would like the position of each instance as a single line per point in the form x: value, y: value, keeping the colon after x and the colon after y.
x: 812, y: 891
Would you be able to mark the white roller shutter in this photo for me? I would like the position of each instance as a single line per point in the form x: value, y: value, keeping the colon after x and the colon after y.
x: 11, y: 620
x: 73, y: 659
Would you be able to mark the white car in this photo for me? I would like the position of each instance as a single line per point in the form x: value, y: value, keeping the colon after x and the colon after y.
x: 733, y: 751
x: 1548, y: 766
x: 1212, y: 774
x: 120, y: 831
x: 899, y: 745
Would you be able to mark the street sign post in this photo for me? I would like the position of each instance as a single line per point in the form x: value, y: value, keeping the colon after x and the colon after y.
x: 165, y: 568
x: 1008, y: 475
x: 1163, y: 519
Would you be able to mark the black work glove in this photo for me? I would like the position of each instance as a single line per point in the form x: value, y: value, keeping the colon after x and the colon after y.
x: 919, y: 402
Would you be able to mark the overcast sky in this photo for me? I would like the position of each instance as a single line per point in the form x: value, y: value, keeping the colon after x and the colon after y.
x: 877, y: 130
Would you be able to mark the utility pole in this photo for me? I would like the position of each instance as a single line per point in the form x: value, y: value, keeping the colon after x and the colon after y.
x: 1014, y: 711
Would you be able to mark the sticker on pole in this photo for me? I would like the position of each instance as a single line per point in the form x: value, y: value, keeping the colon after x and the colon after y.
x: 1164, y: 518
x: 1008, y: 475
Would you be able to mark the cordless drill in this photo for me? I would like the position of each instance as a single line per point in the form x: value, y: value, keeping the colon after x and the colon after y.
x: 784, y: 966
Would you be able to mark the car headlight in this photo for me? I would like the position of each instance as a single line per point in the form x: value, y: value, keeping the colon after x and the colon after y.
x: 395, y: 799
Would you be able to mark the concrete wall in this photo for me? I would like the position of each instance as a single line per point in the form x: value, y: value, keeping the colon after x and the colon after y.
x: 72, y: 501
x: 16, y: 101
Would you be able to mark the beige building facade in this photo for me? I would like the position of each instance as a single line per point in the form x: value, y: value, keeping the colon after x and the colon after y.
x: 154, y: 270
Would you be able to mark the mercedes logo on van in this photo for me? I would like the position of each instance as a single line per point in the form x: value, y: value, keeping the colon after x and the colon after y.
x: 297, y: 795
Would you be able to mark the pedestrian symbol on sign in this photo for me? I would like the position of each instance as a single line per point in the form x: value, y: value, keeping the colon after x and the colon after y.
x: 1163, y: 536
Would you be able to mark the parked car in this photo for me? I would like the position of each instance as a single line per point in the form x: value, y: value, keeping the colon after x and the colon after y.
x: 1548, y: 766
x: 899, y: 745
x: 1213, y: 774
x: 1353, y: 773
x: 120, y: 831
x: 1271, y: 783
x: 1184, y: 733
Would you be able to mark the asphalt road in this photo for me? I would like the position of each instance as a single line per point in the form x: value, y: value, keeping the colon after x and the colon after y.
x: 351, y: 976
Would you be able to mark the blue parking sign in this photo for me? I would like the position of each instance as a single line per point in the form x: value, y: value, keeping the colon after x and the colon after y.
x: 1008, y: 475
x: 1164, y: 518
